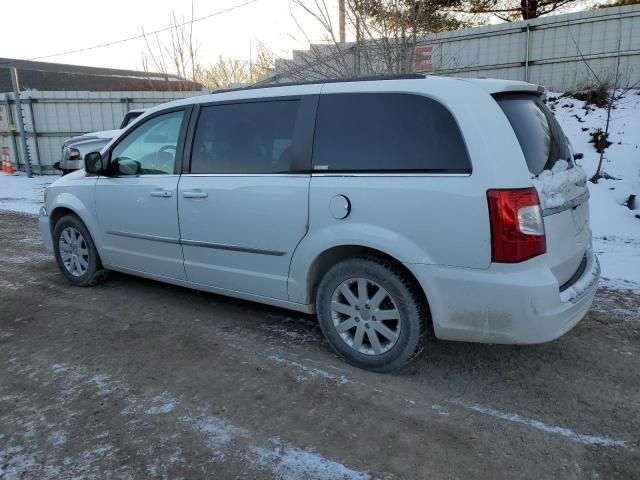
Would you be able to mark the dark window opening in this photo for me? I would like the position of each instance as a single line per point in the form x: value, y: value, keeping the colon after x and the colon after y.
x: 253, y: 137
x: 541, y: 138
x: 387, y: 132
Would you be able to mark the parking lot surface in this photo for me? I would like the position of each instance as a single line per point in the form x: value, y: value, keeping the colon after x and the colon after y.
x: 138, y: 379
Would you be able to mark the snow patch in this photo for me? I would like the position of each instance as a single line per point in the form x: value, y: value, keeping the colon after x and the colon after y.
x: 310, y: 371
x: 161, y: 404
x: 585, y: 282
x: 551, y: 184
x: 18, y: 193
x: 599, y: 440
x: 440, y: 410
x: 291, y: 463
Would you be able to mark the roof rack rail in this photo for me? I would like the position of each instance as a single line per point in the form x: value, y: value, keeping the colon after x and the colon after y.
x: 372, y: 78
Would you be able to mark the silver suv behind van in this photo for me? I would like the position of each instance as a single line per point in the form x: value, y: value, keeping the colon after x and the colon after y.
x: 395, y: 209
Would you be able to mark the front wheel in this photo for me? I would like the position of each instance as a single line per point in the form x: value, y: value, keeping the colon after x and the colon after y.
x: 76, y: 253
x: 371, y: 314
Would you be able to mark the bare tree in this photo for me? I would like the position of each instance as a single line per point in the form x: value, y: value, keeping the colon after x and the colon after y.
x: 383, y: 36
x: 227, y: 72
x: 175, y: 61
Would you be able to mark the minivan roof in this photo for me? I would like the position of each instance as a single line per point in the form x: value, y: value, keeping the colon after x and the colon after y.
x: 490, y: 85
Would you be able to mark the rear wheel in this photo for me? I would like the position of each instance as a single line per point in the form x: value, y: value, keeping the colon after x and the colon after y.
x: 371, y: 314
x: 76, y: 253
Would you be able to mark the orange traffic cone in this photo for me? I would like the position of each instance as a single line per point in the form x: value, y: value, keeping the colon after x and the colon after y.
x: 4, y: 164
x: 9, y: 168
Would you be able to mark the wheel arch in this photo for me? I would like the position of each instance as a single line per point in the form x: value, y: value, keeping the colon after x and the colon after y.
x: 59, y: 212
x: 331, y: 256
x: 70, y: 205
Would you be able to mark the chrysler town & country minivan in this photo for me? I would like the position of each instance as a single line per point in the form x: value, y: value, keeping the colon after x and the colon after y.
x: 395, y: 209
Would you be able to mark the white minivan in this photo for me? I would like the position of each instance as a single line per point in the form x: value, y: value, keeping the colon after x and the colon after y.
x: 393, y: 208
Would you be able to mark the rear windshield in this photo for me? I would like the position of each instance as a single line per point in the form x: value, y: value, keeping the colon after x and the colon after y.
x: 541, y: 138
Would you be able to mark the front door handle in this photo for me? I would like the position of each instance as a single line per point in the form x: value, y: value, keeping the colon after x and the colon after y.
x: 195, y: 194
x: 161, y: 193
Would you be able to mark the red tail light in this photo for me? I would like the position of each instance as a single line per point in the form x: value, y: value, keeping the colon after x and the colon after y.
x: 517, y: 228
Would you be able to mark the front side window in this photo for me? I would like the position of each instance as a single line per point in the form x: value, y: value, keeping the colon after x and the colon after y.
x: 254, y: 137
x: 387, y: 132
x: 151, y: 148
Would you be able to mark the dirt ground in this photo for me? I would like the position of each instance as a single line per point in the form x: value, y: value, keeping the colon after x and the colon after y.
x: 137, y: 379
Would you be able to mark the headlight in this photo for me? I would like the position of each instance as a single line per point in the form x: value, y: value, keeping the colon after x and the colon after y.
x: 69, y: 153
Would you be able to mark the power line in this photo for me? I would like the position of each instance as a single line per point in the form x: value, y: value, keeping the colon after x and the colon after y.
x: 142, y: 35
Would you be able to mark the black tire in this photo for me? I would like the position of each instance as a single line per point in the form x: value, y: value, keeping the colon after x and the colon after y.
x: 94, y: 273
x: 413, y: 313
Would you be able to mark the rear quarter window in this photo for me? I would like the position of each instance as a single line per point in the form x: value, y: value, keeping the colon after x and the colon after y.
x: 540, y: 136
x: 387, y: 132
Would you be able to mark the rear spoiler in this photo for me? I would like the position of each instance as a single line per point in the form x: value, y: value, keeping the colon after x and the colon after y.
x: 494, y: 86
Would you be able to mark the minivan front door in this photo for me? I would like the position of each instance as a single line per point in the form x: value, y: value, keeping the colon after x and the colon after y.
x: 137, y: 205
x: 243, y: 206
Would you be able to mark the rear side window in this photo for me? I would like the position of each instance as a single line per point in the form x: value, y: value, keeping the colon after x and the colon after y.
x: 387, y: 132
x: 254, y: 137
x: 541, y: 138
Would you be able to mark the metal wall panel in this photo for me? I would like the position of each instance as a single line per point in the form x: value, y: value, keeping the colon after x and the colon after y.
x: 58, y: 115
x: 564, y: 51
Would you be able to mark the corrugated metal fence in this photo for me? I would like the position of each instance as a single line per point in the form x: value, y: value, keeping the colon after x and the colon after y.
x: 52, y: 117
x: 561, y: 52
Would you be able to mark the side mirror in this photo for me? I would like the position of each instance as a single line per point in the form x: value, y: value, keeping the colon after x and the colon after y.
x: 93, y: 163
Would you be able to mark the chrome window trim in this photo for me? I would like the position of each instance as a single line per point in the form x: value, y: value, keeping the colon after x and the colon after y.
x: 390, y: 174
x: 303, y: 175
x: 314, y: 174
x: 145, y: 175
x: 579, y: 200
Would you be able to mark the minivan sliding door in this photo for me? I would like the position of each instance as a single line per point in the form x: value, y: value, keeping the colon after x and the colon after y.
x: 243, y: 205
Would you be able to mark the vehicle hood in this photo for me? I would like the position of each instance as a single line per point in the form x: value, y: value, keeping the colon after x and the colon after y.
x: 66, y: 179
x: 103, y: 135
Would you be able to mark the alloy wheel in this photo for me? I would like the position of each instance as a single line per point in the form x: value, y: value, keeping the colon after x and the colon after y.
x: 365, y: 316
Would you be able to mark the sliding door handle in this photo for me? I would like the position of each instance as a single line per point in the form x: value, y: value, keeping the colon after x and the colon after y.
x: 161, y: 193
x: 195, y: 194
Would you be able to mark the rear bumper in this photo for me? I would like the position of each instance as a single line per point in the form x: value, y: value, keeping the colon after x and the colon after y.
x: 509, y: 304
x: 45, y: 229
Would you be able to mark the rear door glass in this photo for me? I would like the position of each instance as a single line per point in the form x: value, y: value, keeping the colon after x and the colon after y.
x: 542, y: 140
x: 387, y: 132
x: 245, y: 138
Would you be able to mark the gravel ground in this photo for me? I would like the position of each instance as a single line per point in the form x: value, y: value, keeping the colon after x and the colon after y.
x: 137, y: 379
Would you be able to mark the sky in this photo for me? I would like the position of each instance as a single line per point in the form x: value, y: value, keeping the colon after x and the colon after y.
x: 44, y: 27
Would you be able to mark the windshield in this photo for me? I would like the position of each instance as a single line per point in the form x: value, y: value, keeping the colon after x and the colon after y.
x: 541, y: 138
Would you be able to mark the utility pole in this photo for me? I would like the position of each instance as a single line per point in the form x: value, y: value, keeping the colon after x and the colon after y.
x: 341, y: 21
x: 21, y: 129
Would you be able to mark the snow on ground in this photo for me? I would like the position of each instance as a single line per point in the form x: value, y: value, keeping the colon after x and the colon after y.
x: 18, y: 193
x: 616, y: 230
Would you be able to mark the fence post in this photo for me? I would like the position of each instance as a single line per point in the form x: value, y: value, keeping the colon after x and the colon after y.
x: 526, y: 55
x: 35, y: 135
x: 21, y: 130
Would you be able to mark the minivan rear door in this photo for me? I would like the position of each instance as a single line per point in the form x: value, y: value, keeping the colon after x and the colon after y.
x: 243, y: 199
x: 561, y: 184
